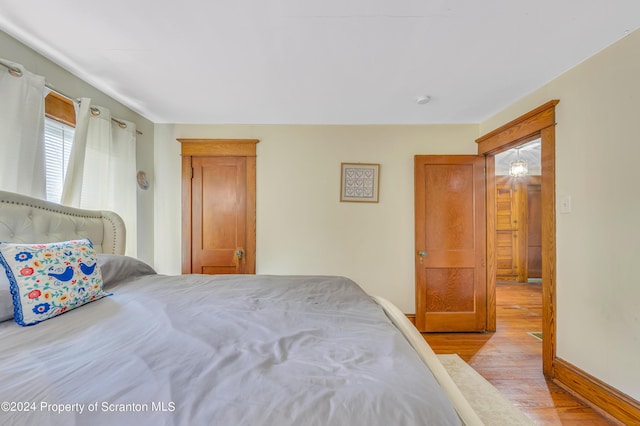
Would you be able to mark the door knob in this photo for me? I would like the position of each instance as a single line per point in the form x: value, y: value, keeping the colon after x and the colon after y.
x: 422, y: 253
x: 239, y: 253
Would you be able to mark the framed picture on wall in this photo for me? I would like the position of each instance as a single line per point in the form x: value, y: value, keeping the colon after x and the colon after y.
x: 359, y: 182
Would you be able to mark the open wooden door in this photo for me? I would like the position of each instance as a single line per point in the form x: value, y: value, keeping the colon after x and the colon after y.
x: 450, y: 243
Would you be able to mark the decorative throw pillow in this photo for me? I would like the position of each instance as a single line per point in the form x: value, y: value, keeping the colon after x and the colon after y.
x: 49, y: 279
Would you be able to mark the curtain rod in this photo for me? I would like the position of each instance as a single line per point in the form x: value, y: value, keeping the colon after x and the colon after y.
x: 17, y: 72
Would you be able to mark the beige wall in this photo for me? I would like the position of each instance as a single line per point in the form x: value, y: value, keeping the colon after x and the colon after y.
x: 302, y: 228
x: 598, y: 243
x: 70, y: 85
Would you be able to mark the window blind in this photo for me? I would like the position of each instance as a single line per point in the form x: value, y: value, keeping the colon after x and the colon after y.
x: 58, y: 139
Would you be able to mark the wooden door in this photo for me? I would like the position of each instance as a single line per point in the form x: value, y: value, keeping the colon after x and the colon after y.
x: 218, y: 206
x: 507, y: 253
x: 218, y: 237
x: 534, y: 229
x: 450, y: 243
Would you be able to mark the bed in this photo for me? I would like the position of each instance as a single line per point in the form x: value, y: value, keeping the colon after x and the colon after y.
x: 195, y: 349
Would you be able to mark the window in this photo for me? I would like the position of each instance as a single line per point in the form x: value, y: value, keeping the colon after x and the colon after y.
x: 58, y: 138
x: 59, y: 128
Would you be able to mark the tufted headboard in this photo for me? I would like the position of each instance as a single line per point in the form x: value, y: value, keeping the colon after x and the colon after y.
x: 30, y: 220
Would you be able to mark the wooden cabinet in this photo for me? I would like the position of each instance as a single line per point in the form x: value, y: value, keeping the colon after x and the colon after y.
x: 218, y: 206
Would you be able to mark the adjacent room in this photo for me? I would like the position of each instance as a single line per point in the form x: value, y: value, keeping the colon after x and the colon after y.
x: 328, y: 213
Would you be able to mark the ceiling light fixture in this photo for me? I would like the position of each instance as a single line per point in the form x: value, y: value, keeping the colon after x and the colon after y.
x: 424, y: 99
x: 519, y: 167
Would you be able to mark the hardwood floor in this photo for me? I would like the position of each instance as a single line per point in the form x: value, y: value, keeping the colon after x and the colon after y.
x: 511, y: 359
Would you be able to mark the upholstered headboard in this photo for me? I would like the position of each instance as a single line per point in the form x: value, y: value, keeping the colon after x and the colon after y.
x: 30, y: 220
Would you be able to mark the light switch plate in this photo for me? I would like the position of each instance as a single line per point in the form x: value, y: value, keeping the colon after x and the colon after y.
x: 565, y: 204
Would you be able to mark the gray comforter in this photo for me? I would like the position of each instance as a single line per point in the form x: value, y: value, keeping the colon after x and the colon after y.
x: 218, y: 350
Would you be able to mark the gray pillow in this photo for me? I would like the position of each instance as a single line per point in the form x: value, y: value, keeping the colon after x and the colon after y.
x: 116, y: 268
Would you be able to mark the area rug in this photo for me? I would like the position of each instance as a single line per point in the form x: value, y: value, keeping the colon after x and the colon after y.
x: 490, y: 405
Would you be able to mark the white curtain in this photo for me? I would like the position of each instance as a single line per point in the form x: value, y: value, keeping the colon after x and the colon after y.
x: 22, y: 166
x: 101, y: 174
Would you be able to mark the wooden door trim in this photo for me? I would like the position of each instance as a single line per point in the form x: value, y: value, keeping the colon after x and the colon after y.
x: 512, y: 133
x: 187, y: 175
x: 492, y: 261
x: 216, y: 148
x: 548, y: 201
x: 538, y: 122
x: 250, y: 248
x: 219, y: 147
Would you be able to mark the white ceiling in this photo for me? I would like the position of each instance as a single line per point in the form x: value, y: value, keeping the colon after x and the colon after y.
x: 322, y: 61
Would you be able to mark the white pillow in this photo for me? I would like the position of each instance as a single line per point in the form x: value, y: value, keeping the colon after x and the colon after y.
x: 50, y: 279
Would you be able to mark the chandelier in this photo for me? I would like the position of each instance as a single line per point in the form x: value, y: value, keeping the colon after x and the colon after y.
x: 519, y: 167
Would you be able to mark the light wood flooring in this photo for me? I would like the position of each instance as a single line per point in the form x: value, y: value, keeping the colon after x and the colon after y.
x: 511, y: 359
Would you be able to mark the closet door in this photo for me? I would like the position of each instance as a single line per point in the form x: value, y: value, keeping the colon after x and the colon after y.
x: 218, y: 215
x: 218, y: 206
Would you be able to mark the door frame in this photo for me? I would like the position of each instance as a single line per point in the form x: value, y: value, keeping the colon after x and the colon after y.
x: 539, y: 122
x: 219, y: 148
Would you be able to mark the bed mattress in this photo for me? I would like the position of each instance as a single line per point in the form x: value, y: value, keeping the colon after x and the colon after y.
x: 223, y: 350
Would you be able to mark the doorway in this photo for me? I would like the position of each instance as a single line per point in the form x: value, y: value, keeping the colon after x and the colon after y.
x: 518, y: 227
x: 518, y: 237
x: 218, y: 206
x: 539, y: 122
